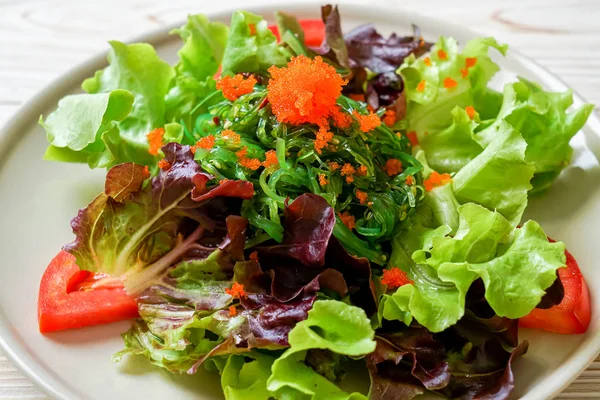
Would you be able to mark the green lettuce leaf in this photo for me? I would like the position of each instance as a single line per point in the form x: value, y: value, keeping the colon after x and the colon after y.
x: 193, y: 90
x: 245, y: 377
x: 330, y: 325
x: 251, y: 49
x: 76, y: 130
x: 430, y: 111
x: 542, y: 119
x: 138, y: 69
x: 454, y: 147
x: 515, y: 264
x: 498, y: 178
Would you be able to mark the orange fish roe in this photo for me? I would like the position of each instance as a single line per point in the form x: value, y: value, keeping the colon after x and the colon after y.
x: 193, y: 149
x: 270, y: 159
x: 393, y: 167
x: 464, y: 72
x: 341, y: 120
x: 421, y: 86
x: 348, y: 220
x: 254, y: 256
x: 427, y: 61
x: 389, y: 118
x: 442, y: 55
x: 362, y: 197
x: 449, y: 83
x: 222, y: 181
x: 348, y: 171
x: 250, y: 163
x: 164, y: 165
x: 470, y: 62
x: 409, y: 180
x: 146, y: 171
x: 436, y: 179
x: 322, y: 180
x: 367, y: 122
x: 333, y: 165
x: 232, y: 311
x: 357, y: 96
x: 412, y: 136
x: 323, y: 137
x: 361, y: 171
x: 470, y: 111
x: 230, y: 135
x: 155, y: 140
x: 235, y: 86
x: 207, y: 142
x: 305, y: 91
x: 395, y: 277
x: 252, y: 28
x: 236, y: 291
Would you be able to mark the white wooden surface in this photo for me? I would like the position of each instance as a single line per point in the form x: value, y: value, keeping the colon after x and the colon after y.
x: 40, y: 39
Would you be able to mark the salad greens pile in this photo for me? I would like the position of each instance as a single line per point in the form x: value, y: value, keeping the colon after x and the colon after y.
x: 276, y: 262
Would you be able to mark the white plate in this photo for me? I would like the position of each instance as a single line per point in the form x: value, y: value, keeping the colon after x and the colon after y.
x: 38, y: 198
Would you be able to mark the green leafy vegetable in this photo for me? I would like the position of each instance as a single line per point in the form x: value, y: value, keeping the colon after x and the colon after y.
x: 331, y: 325
x: 430, y: 102
x: 516, y: 266
x: 251, y: 47
x: 542, y: 118
x: 78, y: 129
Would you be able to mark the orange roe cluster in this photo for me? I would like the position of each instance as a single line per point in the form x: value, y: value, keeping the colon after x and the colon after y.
x: 146, y: 171
x: 427, y: 61
x: 421, y: 86
x: 348, y: 220
x: 333, y: 165
x: 305, y: 91
x: 409, y: 180
x: 254, y: 256
x: 155, y: 140
x: 361, y: 171
x: 236, y: 291
x: 362, y: 197
x: 367, y: 122
x: 393, y: 167
x: 436, y: 179
x: 348, y: 171
x: 412, y: 136
x: 470, y: 110
x: 228, y: 134
x: 232, y: 311
x: 395, y: 277
x: 235, y: 86
x: 322, y: 180
x: 270, y: 159
x: 164, y: 165
x: 469, y: 63
x: 246, y: 162
x: 389, y: 118
x: 450, y: 83
x: 442, y: 55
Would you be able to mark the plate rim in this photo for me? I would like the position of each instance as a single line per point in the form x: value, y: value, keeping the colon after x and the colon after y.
x: 20, y: 356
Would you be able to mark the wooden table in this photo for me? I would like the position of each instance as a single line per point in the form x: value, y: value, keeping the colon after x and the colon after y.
x: 40, y: 39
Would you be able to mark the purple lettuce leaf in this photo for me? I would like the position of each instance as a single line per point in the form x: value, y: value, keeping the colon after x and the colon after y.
x: 333, y: 47
x: 124, y: 180
x: 367, y: 48
x: 149, y: 229
x: 472, y: 359
x: 309, y: 222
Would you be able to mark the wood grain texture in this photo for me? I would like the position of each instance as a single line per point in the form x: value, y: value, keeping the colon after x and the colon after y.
x: 41, y: 39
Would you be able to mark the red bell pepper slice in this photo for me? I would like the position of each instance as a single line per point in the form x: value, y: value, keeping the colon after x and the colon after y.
x: 71, y: 298
x: 573, y: 314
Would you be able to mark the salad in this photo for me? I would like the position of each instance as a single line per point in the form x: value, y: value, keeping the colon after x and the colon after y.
x: 291, y: 202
